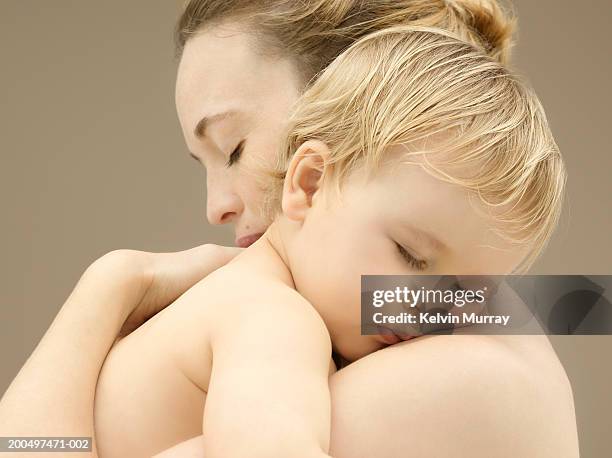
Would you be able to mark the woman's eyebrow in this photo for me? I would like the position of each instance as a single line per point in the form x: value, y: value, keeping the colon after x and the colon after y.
x: 206, y: 121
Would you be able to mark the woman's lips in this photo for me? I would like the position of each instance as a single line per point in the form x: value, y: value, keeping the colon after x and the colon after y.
x: 247, y: 240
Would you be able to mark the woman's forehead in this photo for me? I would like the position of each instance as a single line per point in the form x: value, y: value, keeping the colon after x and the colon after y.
x: 214, y: 77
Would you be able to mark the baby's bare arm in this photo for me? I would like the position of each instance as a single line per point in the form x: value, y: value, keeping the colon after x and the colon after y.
x: 269, y: 394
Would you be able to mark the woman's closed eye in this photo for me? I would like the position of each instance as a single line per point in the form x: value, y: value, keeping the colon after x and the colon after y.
x: 235, y: 155
x: 415, y: 263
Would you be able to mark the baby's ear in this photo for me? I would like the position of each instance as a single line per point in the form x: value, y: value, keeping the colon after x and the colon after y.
x: 303, y: 178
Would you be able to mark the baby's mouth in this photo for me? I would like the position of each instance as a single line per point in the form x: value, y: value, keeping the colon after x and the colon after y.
x: 390, y: 337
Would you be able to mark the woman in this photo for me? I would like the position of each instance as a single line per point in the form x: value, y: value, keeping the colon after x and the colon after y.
x: 366, y: 422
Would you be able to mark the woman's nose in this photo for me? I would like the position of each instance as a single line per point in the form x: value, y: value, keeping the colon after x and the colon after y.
x: 223, y: 205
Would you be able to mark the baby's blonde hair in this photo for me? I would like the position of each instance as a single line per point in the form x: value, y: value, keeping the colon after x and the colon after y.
x: 465, y: 117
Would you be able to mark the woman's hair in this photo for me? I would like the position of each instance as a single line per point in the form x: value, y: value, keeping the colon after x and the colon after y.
x: 314, y: 32
x: 460, y: 114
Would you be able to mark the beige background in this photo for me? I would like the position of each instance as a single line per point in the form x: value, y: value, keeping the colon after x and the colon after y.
x: 93, y: 159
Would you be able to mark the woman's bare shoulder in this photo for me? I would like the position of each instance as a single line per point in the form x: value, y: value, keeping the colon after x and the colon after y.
x: 448, y: 395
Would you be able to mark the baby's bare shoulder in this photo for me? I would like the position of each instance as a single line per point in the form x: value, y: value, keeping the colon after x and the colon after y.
x: 236, y: 304
x: 238, y: 289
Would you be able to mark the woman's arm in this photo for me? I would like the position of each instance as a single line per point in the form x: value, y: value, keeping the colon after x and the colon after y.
x: 53, y: 393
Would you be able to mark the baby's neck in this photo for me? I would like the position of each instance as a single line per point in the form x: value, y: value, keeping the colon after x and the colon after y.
x: 267, y: 256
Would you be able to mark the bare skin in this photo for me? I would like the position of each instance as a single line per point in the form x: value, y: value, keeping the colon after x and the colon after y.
x: 271, y: 356
x: 489, y: 377
x: 116, y: 294
x: 365, y: 421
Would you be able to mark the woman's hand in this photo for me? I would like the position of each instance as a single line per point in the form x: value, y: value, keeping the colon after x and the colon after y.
x: 158, y: 279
